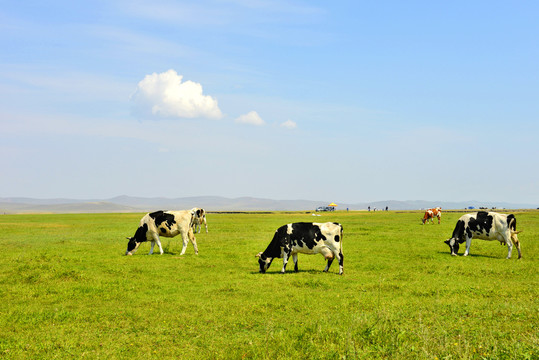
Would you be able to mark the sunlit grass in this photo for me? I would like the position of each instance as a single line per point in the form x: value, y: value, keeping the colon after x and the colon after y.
x: 67, y: 291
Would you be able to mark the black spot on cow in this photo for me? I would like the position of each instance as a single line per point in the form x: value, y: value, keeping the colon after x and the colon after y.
x: 156, y: 214
x: 481, y: 223
x: 161, y: 217
x: 306, y: 235
x: 337, y: 238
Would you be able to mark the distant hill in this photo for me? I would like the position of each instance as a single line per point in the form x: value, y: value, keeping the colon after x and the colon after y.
x: 217, y: 203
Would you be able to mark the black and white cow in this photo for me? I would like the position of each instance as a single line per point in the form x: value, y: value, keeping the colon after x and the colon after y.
x: 487, y: 226
x: 199, y: 220
x: 305, y: 238
x: 167, y: 224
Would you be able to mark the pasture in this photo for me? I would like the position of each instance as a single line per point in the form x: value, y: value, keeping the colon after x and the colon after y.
x: 67, y: 291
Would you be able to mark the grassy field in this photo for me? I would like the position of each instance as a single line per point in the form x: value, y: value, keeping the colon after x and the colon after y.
x: 67, y: 291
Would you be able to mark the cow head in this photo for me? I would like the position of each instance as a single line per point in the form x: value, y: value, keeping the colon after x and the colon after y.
x: 132, y: 245
x: 264, y: 262
x: 135, y: 241
x: 453, y: 246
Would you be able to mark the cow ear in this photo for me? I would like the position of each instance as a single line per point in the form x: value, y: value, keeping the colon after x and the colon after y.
x: 258, y: 255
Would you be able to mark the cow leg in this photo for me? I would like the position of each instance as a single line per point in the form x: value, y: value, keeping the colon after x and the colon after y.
x: 517, y: 243
x: 509, y: 249
x: 341, y: 263
x: 329, y: 255
x: 330, y: 261
x: 185, y: 240
x: 154, y: 241
x: 286, y: 255
x: 518, y: 249
x: 295, y: 258
x: 468, y: 244
x: 193, y: 240
x: 508, y: 242
x: 340, y: 258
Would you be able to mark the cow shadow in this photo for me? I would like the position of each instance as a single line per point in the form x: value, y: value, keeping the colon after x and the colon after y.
x: 471, y: 255
x: 291, y: 272
x: 173, y: 253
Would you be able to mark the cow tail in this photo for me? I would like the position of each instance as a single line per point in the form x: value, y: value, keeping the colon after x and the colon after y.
x: 513, y: 224
x: 341, y: 235
x: 341, y: 260
x: 192, y: 219
x: 513, y: 230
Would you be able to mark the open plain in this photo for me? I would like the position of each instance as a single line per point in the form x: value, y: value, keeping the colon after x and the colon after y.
x: 67, y: 291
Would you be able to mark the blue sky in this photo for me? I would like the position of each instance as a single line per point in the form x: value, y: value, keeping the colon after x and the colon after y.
x: 346, y: 101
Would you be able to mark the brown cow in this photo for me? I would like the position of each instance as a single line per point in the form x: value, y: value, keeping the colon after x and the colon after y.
x: 431, y: 213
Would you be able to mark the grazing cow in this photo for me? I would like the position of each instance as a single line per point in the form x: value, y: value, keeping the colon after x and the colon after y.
x: 306, y: 238
x: 428, y: 216
x: 431, y: 213
x: 487, y: 226
x: 199, y: 220
x: 167, y: 224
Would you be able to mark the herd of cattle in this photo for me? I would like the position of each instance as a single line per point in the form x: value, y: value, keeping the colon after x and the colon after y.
x: 318, y: 238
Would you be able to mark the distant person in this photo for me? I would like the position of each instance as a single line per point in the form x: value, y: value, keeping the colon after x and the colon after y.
x: 369, y: 208
x: 387, y: 208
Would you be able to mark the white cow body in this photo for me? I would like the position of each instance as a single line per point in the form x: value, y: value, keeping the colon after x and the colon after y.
x: 486, y: 226
x: 306, y: 238
x: 167, y: 224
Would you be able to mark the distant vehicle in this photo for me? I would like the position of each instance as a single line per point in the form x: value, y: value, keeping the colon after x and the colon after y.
x: 325, y: 208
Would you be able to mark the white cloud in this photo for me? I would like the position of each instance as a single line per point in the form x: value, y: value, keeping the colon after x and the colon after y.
x: 289, y: 124
x: 165, y: 95
x: 251, y: 118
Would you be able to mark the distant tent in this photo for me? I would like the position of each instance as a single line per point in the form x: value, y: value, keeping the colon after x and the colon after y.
x: 332, y: 205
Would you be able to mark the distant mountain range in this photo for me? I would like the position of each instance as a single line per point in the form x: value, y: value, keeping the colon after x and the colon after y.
x: 216, y: 203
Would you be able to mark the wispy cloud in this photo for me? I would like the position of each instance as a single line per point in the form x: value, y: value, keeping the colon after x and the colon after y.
x: 251, y: 118
x: 289, y: 124
x: 202, y: 13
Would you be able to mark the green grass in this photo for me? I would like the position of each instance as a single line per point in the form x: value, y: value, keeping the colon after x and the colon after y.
x: 67, y: 291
